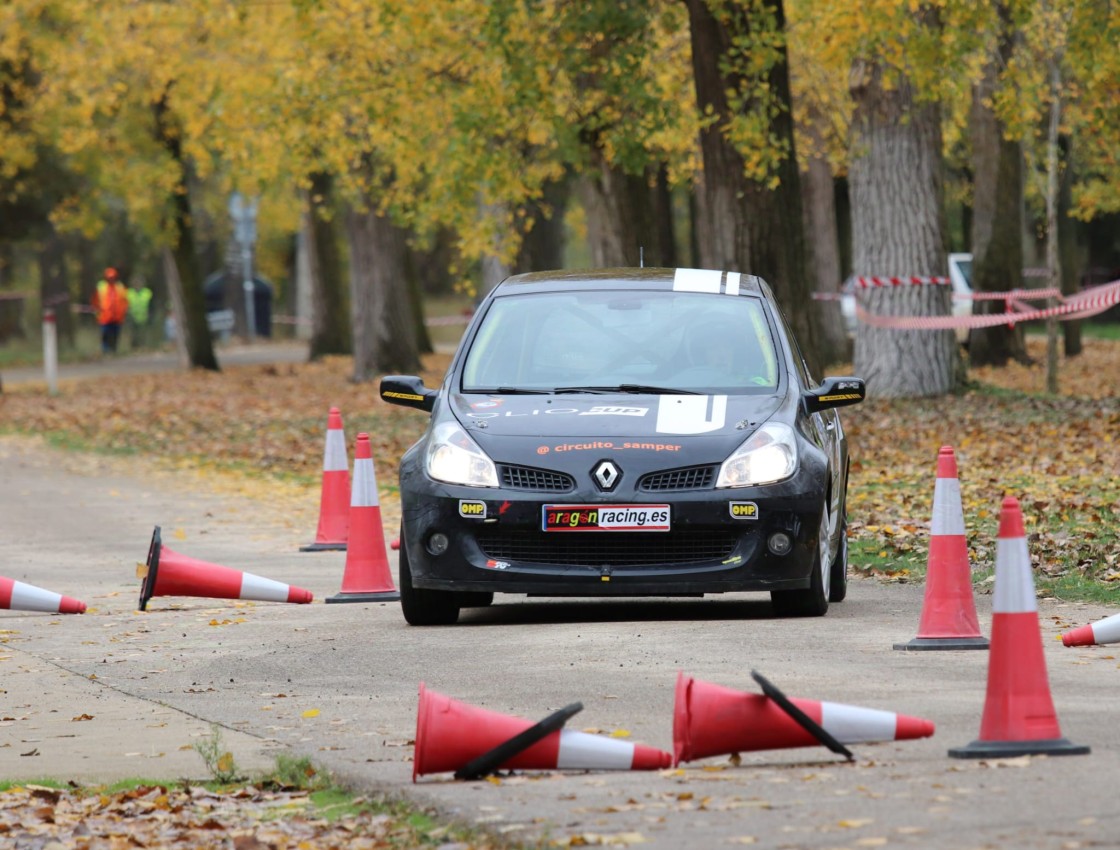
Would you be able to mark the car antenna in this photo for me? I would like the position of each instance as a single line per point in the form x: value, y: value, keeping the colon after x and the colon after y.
x: 641, y: 257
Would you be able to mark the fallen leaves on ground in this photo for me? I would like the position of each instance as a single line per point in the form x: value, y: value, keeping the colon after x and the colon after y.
x: 248, y: 818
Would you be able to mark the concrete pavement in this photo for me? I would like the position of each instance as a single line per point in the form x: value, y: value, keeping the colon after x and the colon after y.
x: 118, y: 693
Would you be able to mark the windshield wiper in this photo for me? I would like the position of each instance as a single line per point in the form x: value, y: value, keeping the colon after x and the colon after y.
x: 507, y: 391
x: 629, y: 388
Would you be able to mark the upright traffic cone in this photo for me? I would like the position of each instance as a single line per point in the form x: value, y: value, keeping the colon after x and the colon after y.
x: 451, y: 734
x: 167, y: 573
x: 366, y: 577
x: 17, y: 596
x: 1102, y: 631
x: 334, y: 496
x: 1019, y: 717
x: 711, y: 720
x: 948, y: 613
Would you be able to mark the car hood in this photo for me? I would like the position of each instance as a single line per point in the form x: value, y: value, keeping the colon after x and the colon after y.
x: 611, y: 416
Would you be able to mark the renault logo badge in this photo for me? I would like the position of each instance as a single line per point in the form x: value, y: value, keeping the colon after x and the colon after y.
x: 607, y: 474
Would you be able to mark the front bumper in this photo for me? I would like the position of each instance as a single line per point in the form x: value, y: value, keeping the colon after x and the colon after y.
x: 499, y: 546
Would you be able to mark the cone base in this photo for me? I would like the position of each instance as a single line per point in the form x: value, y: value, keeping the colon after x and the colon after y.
x: 379, y: 596
x: 323, y: 547
x: 1011, y: 749
x: 920, y: 643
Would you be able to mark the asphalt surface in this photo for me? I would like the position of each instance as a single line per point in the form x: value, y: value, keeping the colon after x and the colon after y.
x: 117, y: 693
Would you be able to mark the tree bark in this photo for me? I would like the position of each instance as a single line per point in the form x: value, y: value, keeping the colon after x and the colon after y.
x: 898, y: 230
x: 191, y: 311
x: 997, y: 231
x: 383, y: 325
x: 330, y: 320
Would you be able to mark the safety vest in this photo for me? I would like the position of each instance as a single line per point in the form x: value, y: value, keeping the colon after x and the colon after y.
x: 139, y: 301
x: 111, y: 302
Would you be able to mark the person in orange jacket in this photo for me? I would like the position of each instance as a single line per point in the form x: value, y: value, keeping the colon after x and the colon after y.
x: 110, y: 304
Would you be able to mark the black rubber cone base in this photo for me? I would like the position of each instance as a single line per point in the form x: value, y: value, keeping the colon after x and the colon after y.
x: 919, y: 643
x: 148, y: 585
x: 1011, y: 749
x: 803, y: 720
x: 378, y: 596
x: 323, y: 547
x: 490, y: 761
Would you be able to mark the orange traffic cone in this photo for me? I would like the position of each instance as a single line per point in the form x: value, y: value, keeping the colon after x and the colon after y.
x: 948, y: 613
x: 456, y: 736
x: 1019, y: 717
x: 366, y: 577
x: 17, y: 596
x: 1102, y: 631
x: 167, y: 573
x: 334, y: 496
x: 711, y: 720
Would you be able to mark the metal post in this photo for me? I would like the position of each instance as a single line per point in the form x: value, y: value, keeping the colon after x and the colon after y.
x: 50, y: 350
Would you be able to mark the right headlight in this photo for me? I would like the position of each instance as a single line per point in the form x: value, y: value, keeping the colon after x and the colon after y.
x: 769, y: 455
x: 457, y: 459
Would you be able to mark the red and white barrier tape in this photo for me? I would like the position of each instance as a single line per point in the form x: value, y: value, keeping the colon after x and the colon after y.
x: 868, y: 282
x: 1084, y: 304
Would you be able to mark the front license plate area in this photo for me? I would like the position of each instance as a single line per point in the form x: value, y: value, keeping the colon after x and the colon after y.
x: 605, y: 518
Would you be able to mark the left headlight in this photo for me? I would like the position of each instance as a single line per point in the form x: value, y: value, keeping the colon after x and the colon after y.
x: 457, y: 459
x: 768, y: 455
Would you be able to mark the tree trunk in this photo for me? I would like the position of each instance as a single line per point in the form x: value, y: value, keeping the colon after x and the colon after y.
x: 717, y: 224
x: 820, y: 221
x: 191, y: 311
x: 620, y: 222
x: 898, y: 230
x: 1067, y: 248
x: 178, y: 306
x: 997, y: 231
x: 330, y: 320
x: 383, y: 325
x: 542, y: 248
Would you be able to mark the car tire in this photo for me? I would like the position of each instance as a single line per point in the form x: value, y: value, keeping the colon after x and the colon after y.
x: 838, y: 586
x: 424, y: 607
x: 811, y: 601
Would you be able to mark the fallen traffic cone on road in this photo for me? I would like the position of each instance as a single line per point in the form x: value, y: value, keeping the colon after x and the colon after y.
x: 18, y: 596
x: 366, y: 577
x: 710, y: 720
x: 472, y: 741
x: 1019, y: 717
x: 948, y: 618
x: 167, y: 573
x: 334, y: 496
x: 1100, y: 632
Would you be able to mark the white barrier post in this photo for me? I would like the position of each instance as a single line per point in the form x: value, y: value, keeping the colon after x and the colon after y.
x: 50, y: 350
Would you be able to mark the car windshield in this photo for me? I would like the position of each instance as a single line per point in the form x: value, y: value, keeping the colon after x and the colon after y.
x: 622, y: 341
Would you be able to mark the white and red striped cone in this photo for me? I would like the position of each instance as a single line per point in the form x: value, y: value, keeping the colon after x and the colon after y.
x: 334, y: 496
x: 1019, y: 717
x: 948, y: 618
x: 1100, y: 632
x: 452, y: 734
x: 167, y: 573
x: 18, y: 596
x: 367, y: 577
x: 710, y: 720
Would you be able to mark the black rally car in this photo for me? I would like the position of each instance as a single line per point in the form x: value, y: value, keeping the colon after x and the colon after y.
x: 625, y: 432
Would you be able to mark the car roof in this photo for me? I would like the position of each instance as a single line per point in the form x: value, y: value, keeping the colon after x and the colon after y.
x: 691, y: 280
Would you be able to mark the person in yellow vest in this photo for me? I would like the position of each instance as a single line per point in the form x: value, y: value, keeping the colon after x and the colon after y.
x: 139, y: 311
x: 110, y: 305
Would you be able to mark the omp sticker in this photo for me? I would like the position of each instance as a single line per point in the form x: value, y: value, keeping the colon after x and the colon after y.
x: 471, y: 509
x: 697, y: 280
x: 691, y: 414
x: 743, y: 510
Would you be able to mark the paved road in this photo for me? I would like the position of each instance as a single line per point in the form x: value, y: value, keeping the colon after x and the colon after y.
x: 120, y: 693
x: 167, y: 360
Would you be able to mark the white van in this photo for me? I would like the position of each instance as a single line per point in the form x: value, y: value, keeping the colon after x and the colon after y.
x: 960, y: 276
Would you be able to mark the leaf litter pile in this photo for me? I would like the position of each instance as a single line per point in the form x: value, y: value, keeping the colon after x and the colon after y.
x: 1059, y: 455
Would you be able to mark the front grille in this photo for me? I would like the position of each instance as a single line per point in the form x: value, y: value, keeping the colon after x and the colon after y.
x: 528, y: 478
x: 599, y: 548
x: 690, y: 478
